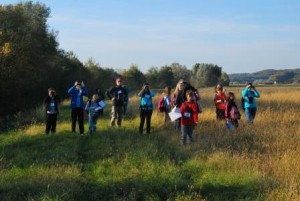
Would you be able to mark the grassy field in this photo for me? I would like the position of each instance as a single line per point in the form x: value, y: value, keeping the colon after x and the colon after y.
x: 254, y: 162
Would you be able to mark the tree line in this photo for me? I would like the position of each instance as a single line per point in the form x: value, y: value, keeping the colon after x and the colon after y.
x: 31, y: 61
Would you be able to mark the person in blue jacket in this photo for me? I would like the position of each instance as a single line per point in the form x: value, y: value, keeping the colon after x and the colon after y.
x: 249, y: 94
x: 77, y: 92
x: 146, y: 107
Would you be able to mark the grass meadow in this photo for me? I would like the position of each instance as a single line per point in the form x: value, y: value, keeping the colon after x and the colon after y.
x: 254, y: 162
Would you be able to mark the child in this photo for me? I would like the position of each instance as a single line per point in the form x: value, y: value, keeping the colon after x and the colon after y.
x: 232, y: 113
x: 189, y: 119
x: 51, y: 103
x: 220, y: 102
x: 92, y: 108
x: 166, y: 103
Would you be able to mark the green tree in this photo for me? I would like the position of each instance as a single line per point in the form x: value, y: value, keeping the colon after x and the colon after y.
x: 27, y: 52
x: 180, y: 72
x: 133, y: 77
x: 205, y: 75
x: 165, y: 77
x: 224, y: 79
x: 152, y: 77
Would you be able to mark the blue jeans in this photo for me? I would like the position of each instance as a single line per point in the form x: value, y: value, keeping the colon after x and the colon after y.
x: 250, y: 114
x: 92, y: 123
x: 186, y: 134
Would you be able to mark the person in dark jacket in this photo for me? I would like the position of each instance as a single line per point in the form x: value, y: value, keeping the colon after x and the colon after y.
x: 117, y: 94
x: 51, y: 108
x: 77, y: 92
x: 101, y: 97
x: 232, y: 113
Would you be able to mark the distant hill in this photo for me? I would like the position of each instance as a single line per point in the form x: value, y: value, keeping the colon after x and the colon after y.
x: 269, y: 76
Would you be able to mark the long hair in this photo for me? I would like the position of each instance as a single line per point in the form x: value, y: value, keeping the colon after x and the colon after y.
x: 177, y: 89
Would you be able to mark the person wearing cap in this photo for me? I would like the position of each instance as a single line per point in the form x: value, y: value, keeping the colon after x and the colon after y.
x: 220, y: 100
x: 77, y: 91
x: 118, y: 96
x: 51, y: 108
x: 146, y: 107
x: 249, y: 95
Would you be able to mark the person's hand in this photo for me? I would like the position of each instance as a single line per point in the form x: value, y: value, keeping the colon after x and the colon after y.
x: 82, y: 84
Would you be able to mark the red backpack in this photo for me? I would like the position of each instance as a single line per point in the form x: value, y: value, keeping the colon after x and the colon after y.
x: 161, y: 104
x: 234, y: 113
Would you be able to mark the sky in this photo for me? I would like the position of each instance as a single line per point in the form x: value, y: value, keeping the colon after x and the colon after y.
x: 241, y: 36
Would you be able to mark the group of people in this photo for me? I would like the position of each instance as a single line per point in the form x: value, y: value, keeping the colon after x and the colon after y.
x: 227, y: 109
x: 93, y: 107
x: 185, y: 100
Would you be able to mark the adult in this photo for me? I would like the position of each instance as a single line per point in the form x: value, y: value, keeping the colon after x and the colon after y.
x: 187, y: 86
x: 117, y: 94
x: 220, y: 100
x: 146, y: 107
x: 178, y: 99
x: 249, y: 94
x: 51, y: 109
x: 77, y: 91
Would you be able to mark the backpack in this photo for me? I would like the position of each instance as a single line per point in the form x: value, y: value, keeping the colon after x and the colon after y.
x: 197, y: 95
x: 96, y: 112
x: 161, y: 104
x: 243, y: 103
x: 234, y: 113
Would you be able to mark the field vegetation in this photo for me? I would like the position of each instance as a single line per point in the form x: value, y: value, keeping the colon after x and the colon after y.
x: 253, y: 162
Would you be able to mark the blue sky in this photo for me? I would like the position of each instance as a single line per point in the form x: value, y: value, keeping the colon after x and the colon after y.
x: 237, y: 35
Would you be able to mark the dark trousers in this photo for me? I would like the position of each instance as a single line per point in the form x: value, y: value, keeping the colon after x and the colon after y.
x: 77, y: 113
x: 178, y: 124
x: 145, y: 115
x: 51, y: 123
x: 220, y: 114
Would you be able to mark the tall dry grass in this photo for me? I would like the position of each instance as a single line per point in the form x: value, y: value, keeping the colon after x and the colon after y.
x: 253, y: 162
x: 270, y: 147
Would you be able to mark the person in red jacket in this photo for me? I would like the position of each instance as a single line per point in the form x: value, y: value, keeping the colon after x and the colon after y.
x: 220, y: 100
x: 189, y: 119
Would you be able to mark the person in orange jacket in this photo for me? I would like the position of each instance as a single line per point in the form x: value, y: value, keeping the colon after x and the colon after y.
x: 220, y: 102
